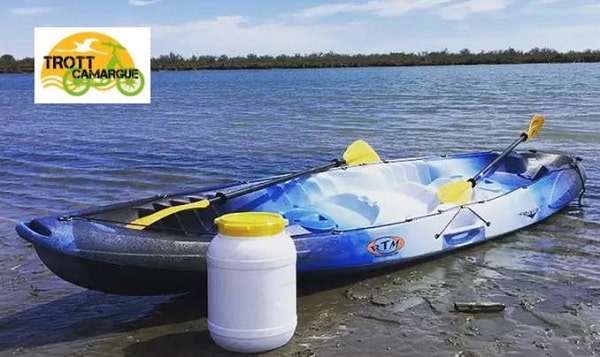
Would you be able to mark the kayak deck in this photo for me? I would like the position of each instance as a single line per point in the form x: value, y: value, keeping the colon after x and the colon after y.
x: 345, y: 199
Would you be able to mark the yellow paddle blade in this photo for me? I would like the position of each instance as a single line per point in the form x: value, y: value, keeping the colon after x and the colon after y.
x: 145, y: 221
x: 457, y: 192
x: 537, y: 121
x: 359, y: 152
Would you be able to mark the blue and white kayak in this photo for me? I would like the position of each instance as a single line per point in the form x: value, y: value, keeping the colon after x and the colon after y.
x: 343, y: 221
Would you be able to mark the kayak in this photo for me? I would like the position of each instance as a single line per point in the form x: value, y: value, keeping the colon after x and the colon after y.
x: 343, y: 221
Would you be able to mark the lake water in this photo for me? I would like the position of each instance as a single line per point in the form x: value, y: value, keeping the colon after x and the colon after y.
x: 211, y: 127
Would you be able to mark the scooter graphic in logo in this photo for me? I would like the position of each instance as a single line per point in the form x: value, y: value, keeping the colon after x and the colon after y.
x: 129, y: 83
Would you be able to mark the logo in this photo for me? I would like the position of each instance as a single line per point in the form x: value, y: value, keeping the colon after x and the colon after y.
x: 92, y: 65
x: 531, y: 213
x: 385, y: 246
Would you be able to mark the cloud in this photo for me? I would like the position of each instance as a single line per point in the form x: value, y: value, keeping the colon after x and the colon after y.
x: 447, y: 9
x: 237, y: 35
x: 590, y: 9
x: 546, y: 2
x: 138, y: 3
x: 386, y: 8
x: 31, y: 11
x: 229, y: 20
x: 555, y: 8
x: 460, y: 10
x: 329, y: 9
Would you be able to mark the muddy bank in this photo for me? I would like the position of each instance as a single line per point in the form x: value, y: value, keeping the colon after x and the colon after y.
x: 547, y: 279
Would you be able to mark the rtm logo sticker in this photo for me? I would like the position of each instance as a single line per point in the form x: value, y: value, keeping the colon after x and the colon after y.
x: 385, y: 246
x: 530, y: 213
x: 92, y: 65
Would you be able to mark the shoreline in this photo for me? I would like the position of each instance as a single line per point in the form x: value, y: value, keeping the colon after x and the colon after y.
x: 233, y: 68
x: 176, y: 62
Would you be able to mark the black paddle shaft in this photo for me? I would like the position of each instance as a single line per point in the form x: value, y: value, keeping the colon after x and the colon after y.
x: 221, y: 197
x: 483, y: 171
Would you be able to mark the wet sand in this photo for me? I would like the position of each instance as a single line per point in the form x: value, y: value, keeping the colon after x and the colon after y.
x: 546, y: 276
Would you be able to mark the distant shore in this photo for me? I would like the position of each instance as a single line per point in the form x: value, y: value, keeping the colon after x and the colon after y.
x: 176, y: 62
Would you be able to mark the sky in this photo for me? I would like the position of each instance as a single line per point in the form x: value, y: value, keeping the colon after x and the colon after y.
x: 241, y: 27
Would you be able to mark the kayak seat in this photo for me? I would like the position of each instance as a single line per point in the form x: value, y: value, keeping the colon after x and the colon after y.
x: 355, y: 179
x: 411, y: 172
x: 422, y: 171
x: 347, y: 210
x: 406, y: 200
x: 420, y: 193
x: 319, y: 186
x: 298, y: 195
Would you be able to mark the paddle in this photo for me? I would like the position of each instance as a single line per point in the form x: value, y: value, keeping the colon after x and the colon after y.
x: 460, y: 192
x: 359, y: 152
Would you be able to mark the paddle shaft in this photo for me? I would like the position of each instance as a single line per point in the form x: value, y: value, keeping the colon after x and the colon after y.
x: 223, y: 197
x: 460, y: 192
x: 358, y: 153
x: 483, y: 171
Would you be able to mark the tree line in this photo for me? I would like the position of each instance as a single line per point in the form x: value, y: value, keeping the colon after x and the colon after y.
x: 174, y: 61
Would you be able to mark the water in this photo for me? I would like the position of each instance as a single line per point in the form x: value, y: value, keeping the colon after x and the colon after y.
x: 212, y: 127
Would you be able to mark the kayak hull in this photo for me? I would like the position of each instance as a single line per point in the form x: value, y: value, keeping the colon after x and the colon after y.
x: 343, y: 222
x: 120, y: 279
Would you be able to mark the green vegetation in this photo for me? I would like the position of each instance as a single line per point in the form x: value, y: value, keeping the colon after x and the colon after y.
x: 8, y: 64
x: 174, y: 61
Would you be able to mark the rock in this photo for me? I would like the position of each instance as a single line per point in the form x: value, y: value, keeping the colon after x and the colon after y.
x: 353, y: 294
x: 381, y: 300
x: 303, y: 353
x: 479, y: 306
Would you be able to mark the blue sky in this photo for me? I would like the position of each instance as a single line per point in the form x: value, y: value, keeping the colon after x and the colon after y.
x: 240, y: 27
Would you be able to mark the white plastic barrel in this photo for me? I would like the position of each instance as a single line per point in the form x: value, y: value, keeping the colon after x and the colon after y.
x: 251, y: 283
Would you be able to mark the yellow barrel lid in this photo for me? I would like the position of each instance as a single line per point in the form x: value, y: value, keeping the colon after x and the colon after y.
x: 250, y: 224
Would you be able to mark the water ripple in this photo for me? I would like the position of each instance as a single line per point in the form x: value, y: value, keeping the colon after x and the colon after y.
x: 209, y: 127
